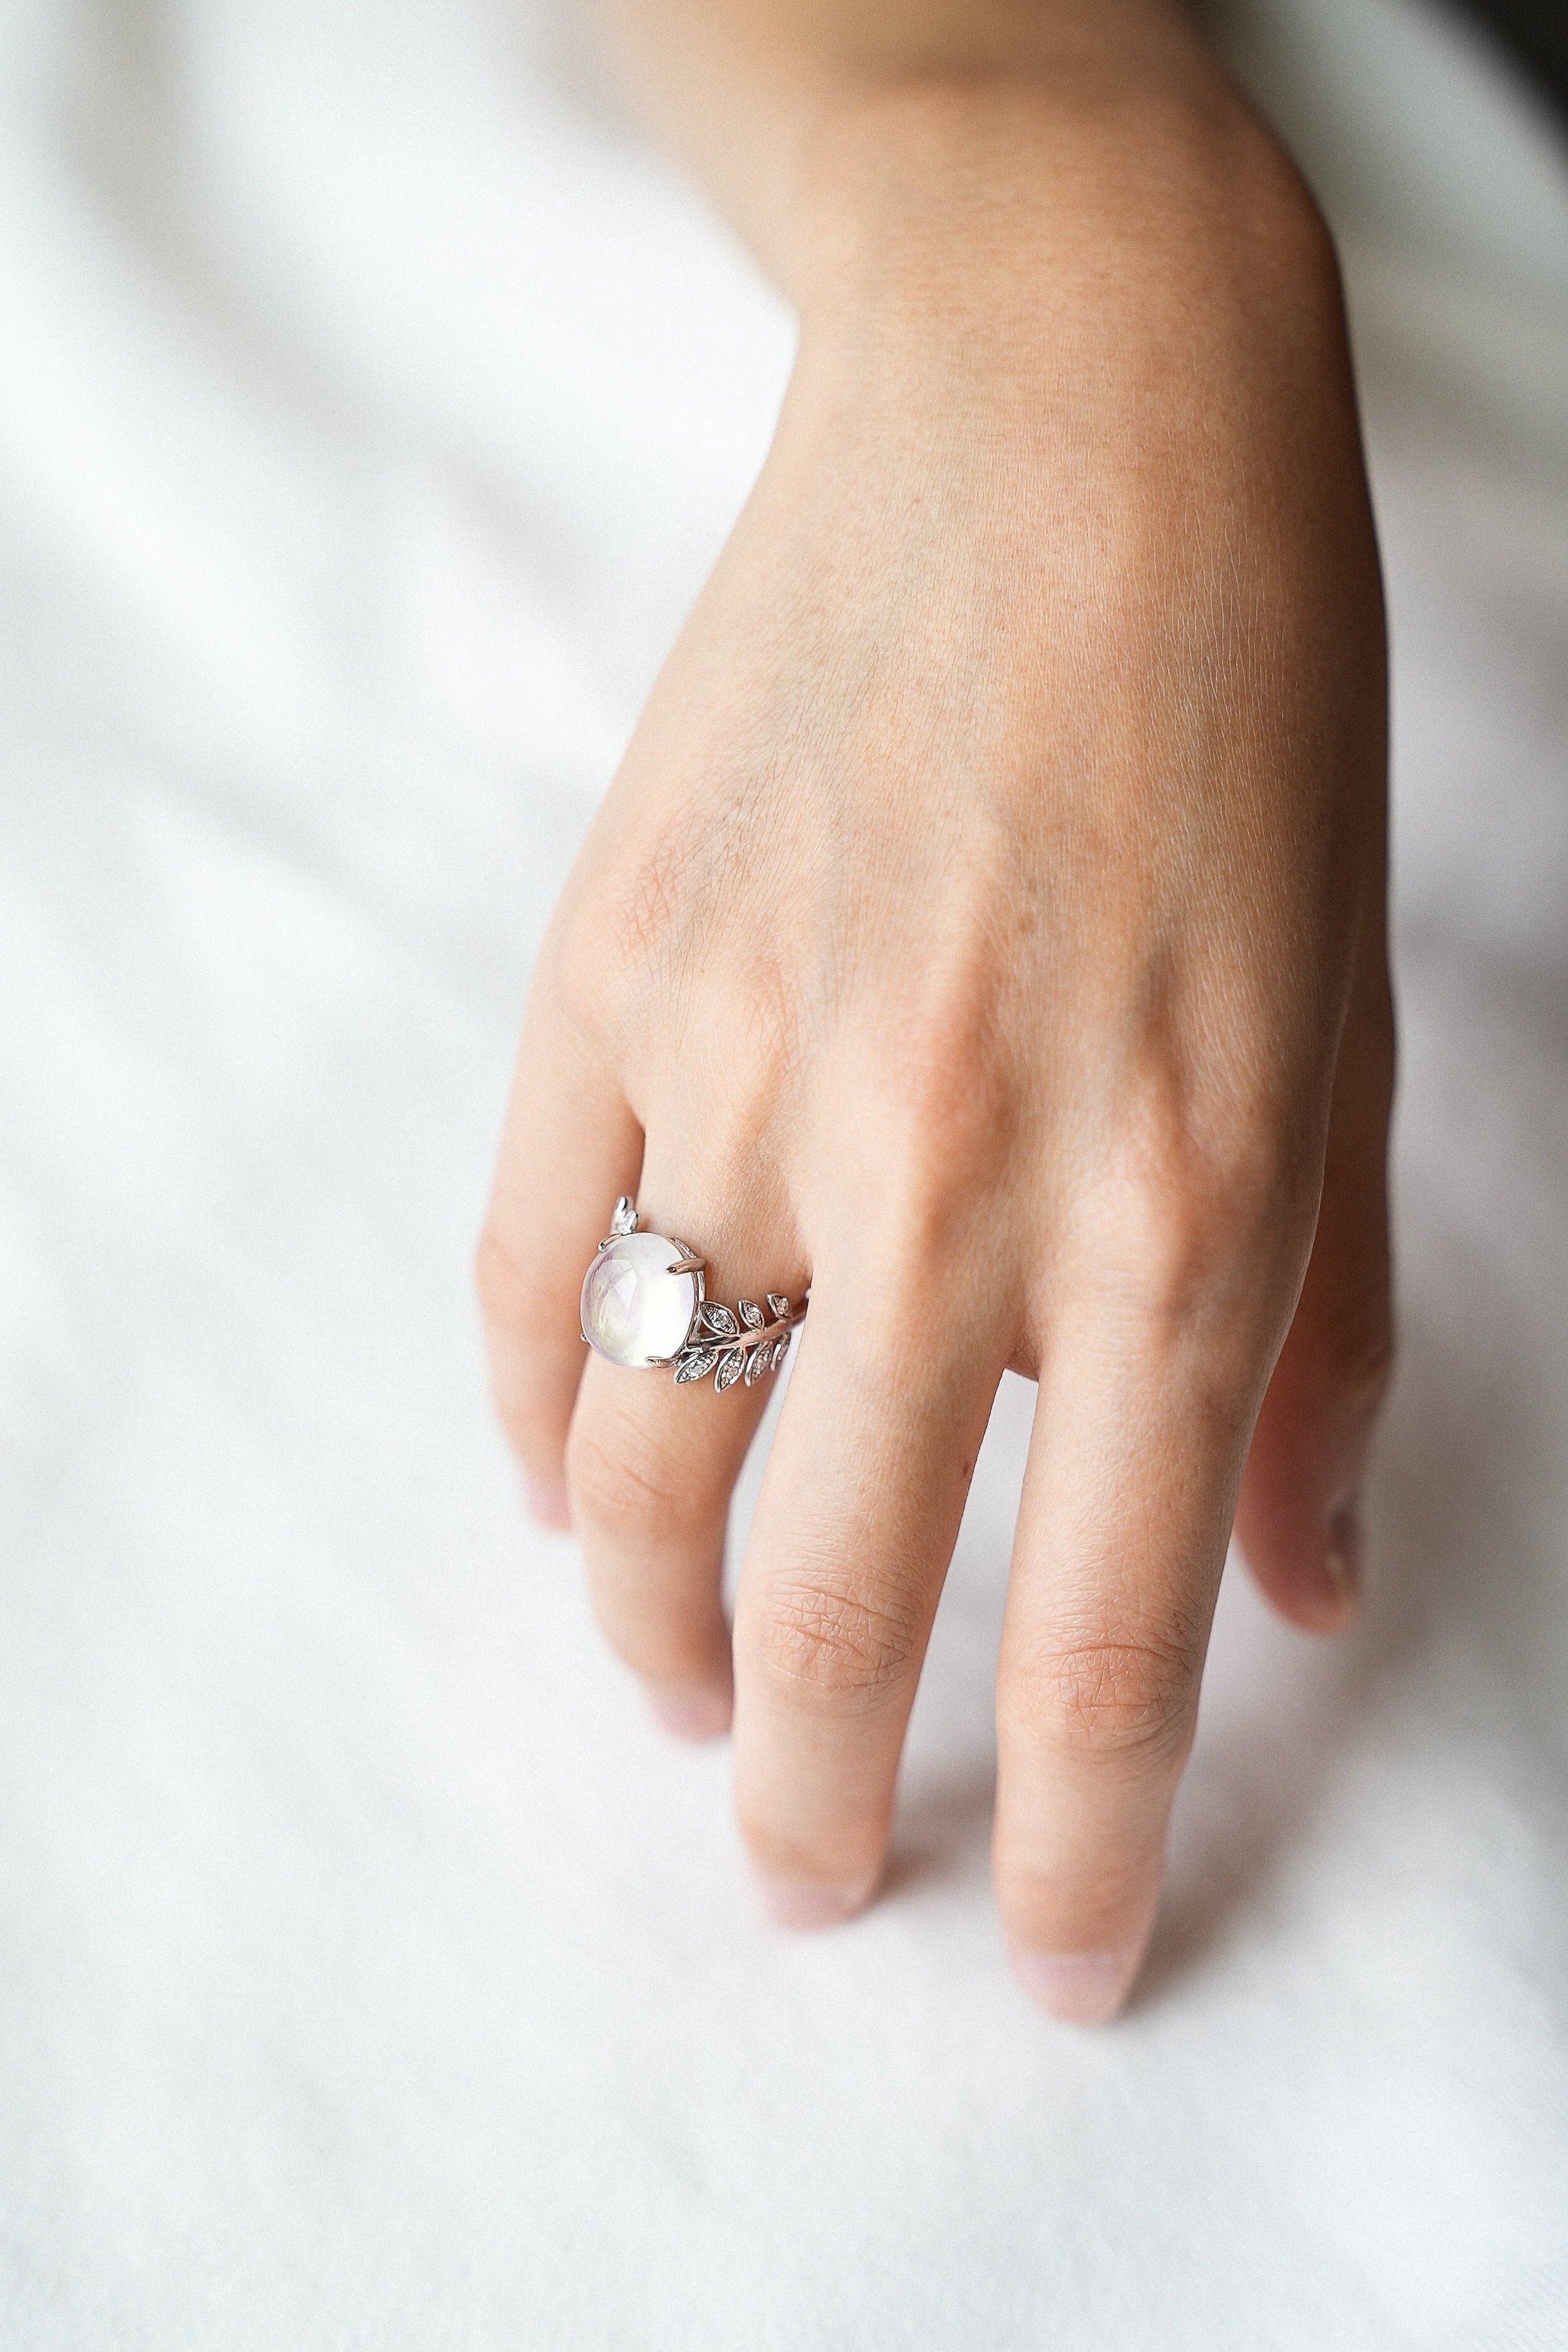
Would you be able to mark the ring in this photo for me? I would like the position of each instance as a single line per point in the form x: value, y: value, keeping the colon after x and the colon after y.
x: 643, y: 1306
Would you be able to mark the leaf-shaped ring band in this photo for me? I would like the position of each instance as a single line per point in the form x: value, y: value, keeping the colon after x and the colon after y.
x: 643, y: 1307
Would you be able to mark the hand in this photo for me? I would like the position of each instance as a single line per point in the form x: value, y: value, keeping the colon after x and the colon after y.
x: 986, y: 929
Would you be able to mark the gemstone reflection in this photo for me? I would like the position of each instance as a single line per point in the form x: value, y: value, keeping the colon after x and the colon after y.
x: 635, y: 1311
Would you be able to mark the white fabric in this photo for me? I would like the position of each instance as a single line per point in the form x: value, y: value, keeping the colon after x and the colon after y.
x: 374, y: 1976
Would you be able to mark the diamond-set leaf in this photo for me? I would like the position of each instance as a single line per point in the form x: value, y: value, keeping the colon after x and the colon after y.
x: 624, y: 1220
x: 723, y: 1341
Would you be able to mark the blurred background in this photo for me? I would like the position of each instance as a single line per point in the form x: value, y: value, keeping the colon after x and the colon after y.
x: 371, y: 404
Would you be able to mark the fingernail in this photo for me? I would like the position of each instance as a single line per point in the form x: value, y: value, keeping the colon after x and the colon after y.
x: 546, y: 1500
x: 1084, y: 1988
x: 695, y: 1714
x: 808, y: 1903
x: 1341, y: 1556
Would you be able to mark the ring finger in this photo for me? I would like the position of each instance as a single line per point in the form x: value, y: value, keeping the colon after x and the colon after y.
x: 651, y: 1463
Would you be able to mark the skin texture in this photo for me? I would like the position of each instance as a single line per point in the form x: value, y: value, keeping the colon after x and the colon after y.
x: 986, y: 928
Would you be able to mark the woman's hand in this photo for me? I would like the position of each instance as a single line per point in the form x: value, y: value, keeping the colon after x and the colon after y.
x: 986, y: 929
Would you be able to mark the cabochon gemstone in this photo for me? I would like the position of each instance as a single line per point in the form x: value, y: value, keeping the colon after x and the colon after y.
x: 635, y: 1311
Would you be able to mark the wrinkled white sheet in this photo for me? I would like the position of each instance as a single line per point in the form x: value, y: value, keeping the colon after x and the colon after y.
x: 373, y: 1975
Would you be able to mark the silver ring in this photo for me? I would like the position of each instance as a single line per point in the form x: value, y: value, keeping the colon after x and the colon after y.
x: 644, y: 1306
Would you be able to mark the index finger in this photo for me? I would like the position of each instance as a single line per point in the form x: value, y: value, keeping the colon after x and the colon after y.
x: 571, y: 1145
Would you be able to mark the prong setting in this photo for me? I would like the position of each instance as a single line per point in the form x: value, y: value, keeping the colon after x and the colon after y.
x: 630, y: 1293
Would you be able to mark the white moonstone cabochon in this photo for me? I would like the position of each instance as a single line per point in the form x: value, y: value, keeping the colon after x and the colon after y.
x: 635, y: 1311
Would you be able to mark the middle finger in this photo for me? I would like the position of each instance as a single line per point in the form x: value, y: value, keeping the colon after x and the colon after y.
x: 856, y: 1524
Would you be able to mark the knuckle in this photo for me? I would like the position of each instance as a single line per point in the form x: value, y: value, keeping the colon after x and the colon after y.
x: 1108, y: 1695
x: 656, y: 893
x: 929, y: 1146
x: 1363, y: 1348
x: 572, y: 993
x: 1171, y: 1232
x: 1339, y: 1356
x: 1363, y: 1368
x: 633, y: 941
x: 628, y: 1500
x: 822, y: 1644
x: 1207, y: 1178
x: 770, y: 1016
x: 940, y: 1092
x: 603, y: 951
x: 1164, y: 1235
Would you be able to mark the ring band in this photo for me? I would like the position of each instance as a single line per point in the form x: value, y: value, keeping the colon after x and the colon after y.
x: 643, y: 1307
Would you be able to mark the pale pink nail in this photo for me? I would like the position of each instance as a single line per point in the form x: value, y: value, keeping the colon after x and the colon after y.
x: 1084, y: 1988
x: 809, y: 1903
x: 546, y: 1500
x: 697, y: 1714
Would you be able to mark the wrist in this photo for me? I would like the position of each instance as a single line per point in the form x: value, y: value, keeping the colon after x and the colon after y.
x: 976, y: 202
x: 1116, y: 305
